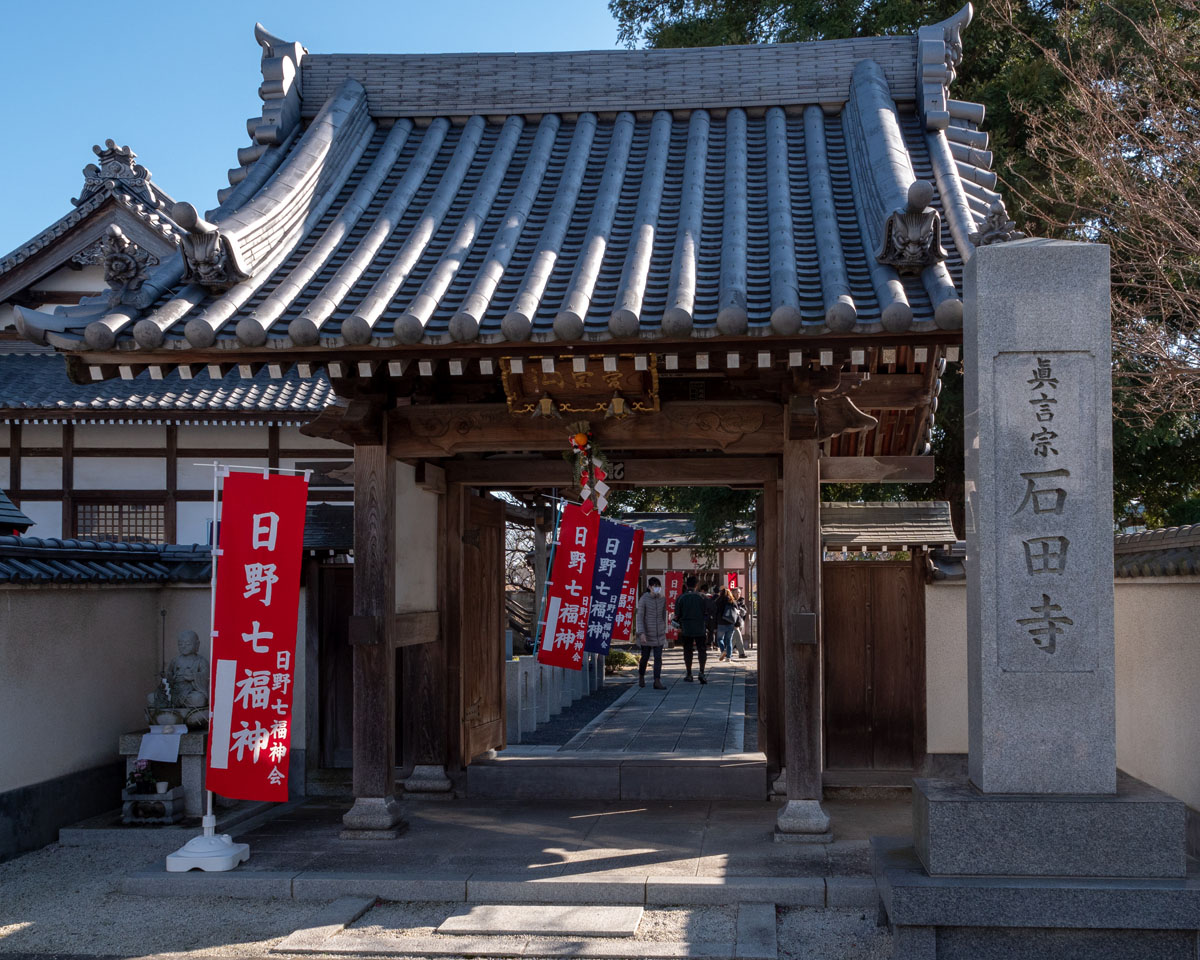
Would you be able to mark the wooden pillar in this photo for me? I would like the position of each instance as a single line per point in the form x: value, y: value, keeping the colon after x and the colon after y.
x: 375, y: 809
x: 770, y: 659
x: 801, y: 819
x: 540, y: 552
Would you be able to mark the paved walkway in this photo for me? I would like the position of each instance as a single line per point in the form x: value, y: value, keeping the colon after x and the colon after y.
x: 686, y: 718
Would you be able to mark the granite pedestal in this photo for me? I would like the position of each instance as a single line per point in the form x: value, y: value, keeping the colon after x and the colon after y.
x: 188, y: 769
x: 1032, y: 918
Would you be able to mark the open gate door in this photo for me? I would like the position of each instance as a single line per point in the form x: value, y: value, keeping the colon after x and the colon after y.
x: 481, y: 616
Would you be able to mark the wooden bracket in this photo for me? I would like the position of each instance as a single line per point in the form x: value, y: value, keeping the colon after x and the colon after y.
x: 431, y: 477
x: 358, y: 420
x: 412, y: 629
x: 365, y: 631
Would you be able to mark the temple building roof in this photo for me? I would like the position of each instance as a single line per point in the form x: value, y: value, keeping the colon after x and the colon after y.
x: 408, y: 201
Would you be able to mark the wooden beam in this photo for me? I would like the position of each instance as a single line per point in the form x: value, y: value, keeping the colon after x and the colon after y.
x: 736, y: 427
x: 877, y: 469
x: 698, y: 471
x: 431, y: 477
x: 891, y: 391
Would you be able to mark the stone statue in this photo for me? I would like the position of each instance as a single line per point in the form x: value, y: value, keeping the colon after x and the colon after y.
x: 182, y: 696
x: 912, y: 237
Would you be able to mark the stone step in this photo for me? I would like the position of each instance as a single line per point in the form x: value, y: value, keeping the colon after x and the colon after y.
x: 495, y: 930
x: 481, y: 887
x: 581, y: 920
x: 612, y: 775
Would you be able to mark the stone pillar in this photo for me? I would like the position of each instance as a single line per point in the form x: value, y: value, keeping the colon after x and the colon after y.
x: 802, y: 819
x: 375, y: 811
x: 1039, y: 519
x: 1077, y: 861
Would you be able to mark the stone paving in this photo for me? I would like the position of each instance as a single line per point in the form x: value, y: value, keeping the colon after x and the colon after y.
x: 686, y: 718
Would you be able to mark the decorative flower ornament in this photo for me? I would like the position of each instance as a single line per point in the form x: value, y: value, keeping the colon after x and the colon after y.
x: 590, y: 467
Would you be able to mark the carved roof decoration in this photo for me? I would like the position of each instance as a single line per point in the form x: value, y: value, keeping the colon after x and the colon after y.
x: 117, y: 185
x: 667, y: 195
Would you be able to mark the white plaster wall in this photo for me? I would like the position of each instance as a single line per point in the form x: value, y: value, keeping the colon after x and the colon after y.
x: 192, y: 520
x: 5, y: 434
x: 416, y: 543
x: 656, y: 559
x: 118, y: 473
x: 88, y: 435
x: 223, y: 435
x: 1158, y: 683
x: 41, y: 473
x: 4, y: 475
x: 946, y: 667
x: 41, y: 435
x: 46, y: 517
x: 76, y: 664
x: 195, y: 475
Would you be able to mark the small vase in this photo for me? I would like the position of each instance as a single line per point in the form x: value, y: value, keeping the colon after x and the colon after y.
x: 161, y: 786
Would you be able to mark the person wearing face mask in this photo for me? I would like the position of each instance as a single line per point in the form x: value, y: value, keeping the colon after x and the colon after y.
x: 652, y: 630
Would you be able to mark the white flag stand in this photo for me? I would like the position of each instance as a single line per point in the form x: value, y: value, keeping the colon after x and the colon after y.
x: 212, y: 851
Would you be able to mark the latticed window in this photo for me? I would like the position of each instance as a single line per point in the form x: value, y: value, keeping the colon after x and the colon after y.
x: 129, y: 522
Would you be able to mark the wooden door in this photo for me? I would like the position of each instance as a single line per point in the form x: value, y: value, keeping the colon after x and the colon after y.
x: 481, y: 619
x: 335, y: 684
x: 874, y: 630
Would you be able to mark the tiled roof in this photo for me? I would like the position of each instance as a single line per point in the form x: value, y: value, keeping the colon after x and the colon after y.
x: 891, y: 524
x: 579, y: 197
x: 676, y: 530
x: 852, y: 525
x: 34, y: 560
x: 11, y: 518
x: 38, y: 383
x: 1169, y: 552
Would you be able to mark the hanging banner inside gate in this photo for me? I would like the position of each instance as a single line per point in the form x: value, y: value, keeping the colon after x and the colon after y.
x: 672, y: 587
x: 612, y: 560
x: 569, y: 590
x: 731, y: 580
x: 623, y: 624
x: 256, y: 599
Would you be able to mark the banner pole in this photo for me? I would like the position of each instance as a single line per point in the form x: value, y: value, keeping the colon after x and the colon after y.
x: 210, y: 819
x: 540, y: 626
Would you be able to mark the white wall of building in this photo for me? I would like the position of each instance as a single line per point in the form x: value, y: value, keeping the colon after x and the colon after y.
x: 946, y: 667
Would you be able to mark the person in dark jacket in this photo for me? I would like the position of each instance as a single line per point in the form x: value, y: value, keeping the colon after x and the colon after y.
x: 689, y: 612
x: 709, y: 592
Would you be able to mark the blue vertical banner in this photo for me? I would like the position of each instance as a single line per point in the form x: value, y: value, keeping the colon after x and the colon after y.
x: 613, y: 546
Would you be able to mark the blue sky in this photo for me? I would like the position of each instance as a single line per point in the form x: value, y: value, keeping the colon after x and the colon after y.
x: 176, y: 81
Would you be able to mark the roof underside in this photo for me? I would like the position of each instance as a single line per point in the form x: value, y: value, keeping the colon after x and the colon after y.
x: 551, y: 197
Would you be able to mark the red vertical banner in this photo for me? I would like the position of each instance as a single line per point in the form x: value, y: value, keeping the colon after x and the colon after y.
x: 673, y: 586
x: 255, y: 610
x: 732, y: 580
x: 623, y: 625
x: 569, y: 589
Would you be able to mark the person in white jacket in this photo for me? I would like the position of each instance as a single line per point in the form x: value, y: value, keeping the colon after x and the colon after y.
x: 652, y: 630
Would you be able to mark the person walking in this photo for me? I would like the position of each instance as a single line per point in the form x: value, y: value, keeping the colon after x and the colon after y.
x: 742, y: 621
x: 729, y: 618
x: 689, y: 612
x: 709, y: 593
x: 652, y: 630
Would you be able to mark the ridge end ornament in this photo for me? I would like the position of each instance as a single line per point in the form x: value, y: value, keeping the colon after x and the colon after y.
x: 117, y: 170
x: 912, y: 237
x: 206, y: 253
x: 996, y: 227
x: 939, y: 54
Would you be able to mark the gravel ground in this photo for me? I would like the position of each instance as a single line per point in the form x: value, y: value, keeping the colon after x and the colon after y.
x: 63, y: 900
x: 810, y: 934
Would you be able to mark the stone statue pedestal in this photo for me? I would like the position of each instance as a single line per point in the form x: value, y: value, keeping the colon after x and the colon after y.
x: 193, y: 751
x: 153, y: 807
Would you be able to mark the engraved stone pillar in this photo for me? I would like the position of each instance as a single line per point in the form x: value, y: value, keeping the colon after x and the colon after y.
x: 1039, y: 519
